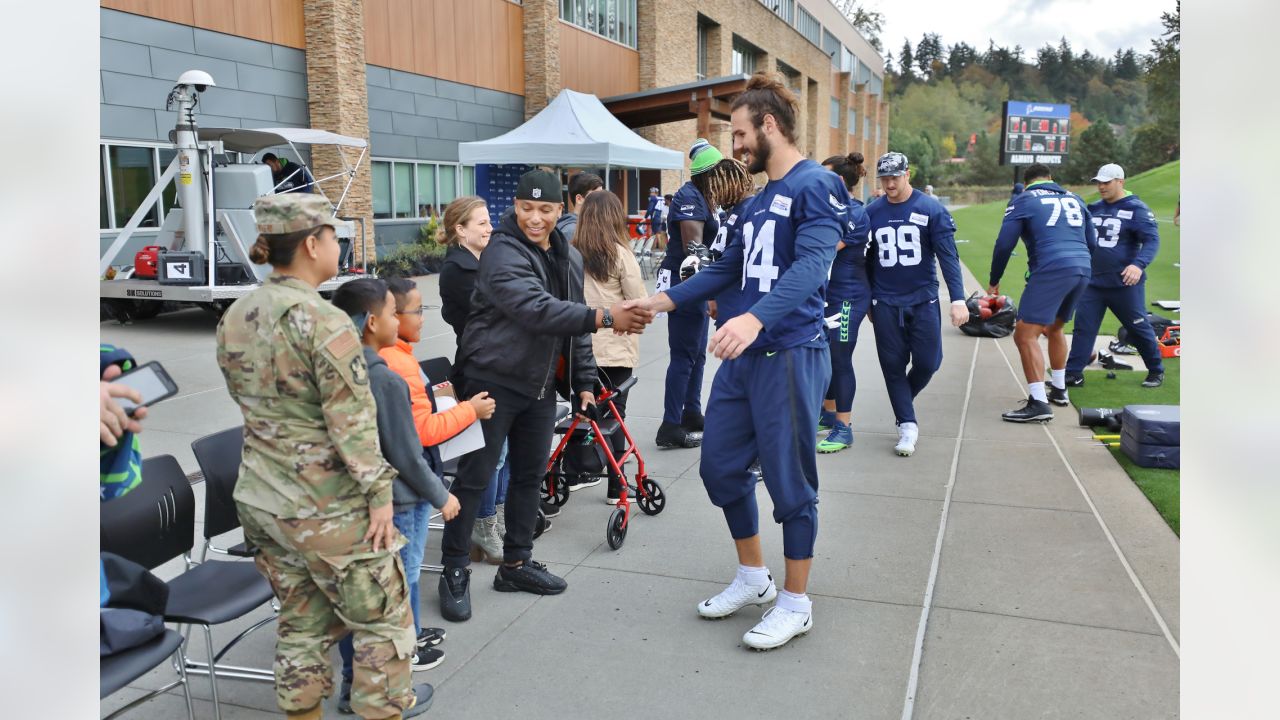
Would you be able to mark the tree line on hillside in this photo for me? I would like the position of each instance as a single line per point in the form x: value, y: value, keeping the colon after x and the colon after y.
x: 946, y: 105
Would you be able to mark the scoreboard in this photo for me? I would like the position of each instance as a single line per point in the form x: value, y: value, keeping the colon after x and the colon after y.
x: 1034, y: 132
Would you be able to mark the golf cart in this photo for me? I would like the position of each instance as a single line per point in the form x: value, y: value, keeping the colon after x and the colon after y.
x: 201, y: 255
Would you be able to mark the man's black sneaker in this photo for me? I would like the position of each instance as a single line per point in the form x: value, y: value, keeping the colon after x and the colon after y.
x: 1074, y: 380
x: 670, y: 435
x: 550, y: 510
x: 531, y: 577
x: 583, y: 481
x: 1155, y: 378
x: 1033, y: 411
x: 692, y: 421
x: 1109, y: 362
x: 430, y: 637
x: 1058, y: 396
x: 455, y: 594
x: 427, y: 658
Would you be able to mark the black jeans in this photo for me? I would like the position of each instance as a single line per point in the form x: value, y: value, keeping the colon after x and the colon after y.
x: 527, y: 425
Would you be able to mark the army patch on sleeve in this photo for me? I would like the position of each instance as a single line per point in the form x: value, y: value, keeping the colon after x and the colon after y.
x: 342, y: 345
x: 359, y: 371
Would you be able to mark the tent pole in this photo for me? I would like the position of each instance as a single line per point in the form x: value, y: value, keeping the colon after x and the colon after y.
x: 606, y: 177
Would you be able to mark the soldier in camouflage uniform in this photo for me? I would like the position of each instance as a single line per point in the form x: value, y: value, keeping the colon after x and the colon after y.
x: 314, y: 487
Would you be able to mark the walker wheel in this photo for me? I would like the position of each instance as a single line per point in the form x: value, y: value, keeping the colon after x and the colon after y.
x: 616, y: 531
x: 539, y: 524
x: 651, y: 500
x: 555, y: 488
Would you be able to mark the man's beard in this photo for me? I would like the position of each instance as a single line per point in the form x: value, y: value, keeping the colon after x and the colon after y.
x: 760, y: 156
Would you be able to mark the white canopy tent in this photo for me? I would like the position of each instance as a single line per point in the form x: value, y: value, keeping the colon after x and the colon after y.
x: 573, y: 130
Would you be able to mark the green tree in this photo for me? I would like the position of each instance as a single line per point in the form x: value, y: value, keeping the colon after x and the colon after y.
x: 906, y: 63
x: 982, y: 166
x: 1152, y: 145
x: 868, y: 22
x: 920, y: 154
x: 1096, y: 147
x: 1163, y: 68
x: 929, y: 56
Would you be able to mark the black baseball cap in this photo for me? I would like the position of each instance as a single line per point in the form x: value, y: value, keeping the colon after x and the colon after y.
x: 541, y: 186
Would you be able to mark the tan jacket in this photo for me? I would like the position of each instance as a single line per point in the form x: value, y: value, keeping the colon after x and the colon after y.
x: 624, y: 283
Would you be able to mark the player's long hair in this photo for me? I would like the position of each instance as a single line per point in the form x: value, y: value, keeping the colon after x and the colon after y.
x: 725, y: 184
x: 601, y: 234
x: 768, y: 95
x: 848, y: 167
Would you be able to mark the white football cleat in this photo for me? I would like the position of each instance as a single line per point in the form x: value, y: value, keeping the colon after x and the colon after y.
x: 737, y: 596
x: 908, y: 433
x: 777, y: 627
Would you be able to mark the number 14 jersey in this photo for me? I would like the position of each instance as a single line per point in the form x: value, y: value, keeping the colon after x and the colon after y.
x: 905, y: 238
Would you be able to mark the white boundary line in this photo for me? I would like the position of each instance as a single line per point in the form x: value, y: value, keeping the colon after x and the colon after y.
x: 913, y: 681
x: 1164, y: 628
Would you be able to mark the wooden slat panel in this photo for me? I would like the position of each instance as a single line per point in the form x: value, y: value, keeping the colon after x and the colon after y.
x: 446, y: 46
x: 287, y: 23
x: 423, y: 46
x: 217, y: 15
x: 515, y: 31
x: 253, y: 19
x: 377, y: 26
x: 482, y: 52
x: 178, y: 11
x: 589, y: 63
x: 401, y: 33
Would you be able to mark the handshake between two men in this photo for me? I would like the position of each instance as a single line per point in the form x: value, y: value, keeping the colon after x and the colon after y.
x: 733, y: 336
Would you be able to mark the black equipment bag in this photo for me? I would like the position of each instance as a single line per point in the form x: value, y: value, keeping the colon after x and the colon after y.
x: 999, y: 325
x: 1158, y: 326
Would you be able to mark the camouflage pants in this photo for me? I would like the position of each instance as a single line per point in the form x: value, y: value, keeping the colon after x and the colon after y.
x: 329, y: 581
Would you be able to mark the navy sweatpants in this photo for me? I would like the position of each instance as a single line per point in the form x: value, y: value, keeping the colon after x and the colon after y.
x: 687, y: 340
x: 842, y: 338
x: 1129, y: 306
x: 907, y: 335
x: 766, y: 406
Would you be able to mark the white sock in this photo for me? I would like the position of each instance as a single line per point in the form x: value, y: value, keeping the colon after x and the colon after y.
x: 1037, y: 391
x: 754, y: 575
x: 795, y: 603
x: 1058, y: 378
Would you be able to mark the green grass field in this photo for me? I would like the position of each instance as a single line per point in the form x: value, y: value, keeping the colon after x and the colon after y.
x: 1160, y: 486
x: 977, y: 227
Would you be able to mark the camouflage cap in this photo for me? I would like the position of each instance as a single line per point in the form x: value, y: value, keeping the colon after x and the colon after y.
x: 291, y: 212
x: 892, y: 164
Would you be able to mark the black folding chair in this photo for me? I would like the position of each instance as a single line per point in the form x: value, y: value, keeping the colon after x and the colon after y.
x: 116, y: 671
x: 218, y: 456
x: 155, y: 524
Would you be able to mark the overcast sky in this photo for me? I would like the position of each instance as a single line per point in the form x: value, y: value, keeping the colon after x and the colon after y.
x: 1101, y: 26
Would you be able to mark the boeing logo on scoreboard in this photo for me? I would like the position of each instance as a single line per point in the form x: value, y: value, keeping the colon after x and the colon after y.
x: 1039, y: 110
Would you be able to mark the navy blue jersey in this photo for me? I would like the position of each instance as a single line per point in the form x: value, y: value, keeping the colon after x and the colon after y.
x: 849, y: 271
x: 1053, y: 223
x: 779, y: 258
x: 1127, y: 235
x: 905, y: 238
x: 728, y: 303
x: 687, y: 204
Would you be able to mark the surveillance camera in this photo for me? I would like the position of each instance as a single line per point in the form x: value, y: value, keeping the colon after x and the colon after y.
x: 198, y: 79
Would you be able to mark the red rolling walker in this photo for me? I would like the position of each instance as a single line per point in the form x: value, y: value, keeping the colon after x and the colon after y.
x: 596, y: 429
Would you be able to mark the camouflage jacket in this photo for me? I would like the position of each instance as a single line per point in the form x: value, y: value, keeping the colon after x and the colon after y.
x: 293, y: 364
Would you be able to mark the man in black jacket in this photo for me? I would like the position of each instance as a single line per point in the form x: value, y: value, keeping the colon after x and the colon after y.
x: 527, y: 336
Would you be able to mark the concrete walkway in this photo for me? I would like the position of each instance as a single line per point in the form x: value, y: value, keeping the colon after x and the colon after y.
x: 1002, y: 571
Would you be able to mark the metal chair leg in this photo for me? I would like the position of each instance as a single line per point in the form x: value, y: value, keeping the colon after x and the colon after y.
x: 186, y: 685
x: 213, y: 676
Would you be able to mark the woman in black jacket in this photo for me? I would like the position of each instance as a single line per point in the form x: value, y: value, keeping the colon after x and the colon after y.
x: 465, y: 230
x: 528, y: 317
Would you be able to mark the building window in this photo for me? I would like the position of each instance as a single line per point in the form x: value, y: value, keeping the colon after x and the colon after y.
x: 875, y: 85
x: 791, y: 76
x: 853, y: 121
x: 126, y: 173
x: 703, y: 42
x: 809, y: 27
x: 613, y: 19
x: 835, y: 112
x: 411, y: 190
x: 866, y: 126
x: 744, y: 57
x: 832, y: 47
x: 784, y: 9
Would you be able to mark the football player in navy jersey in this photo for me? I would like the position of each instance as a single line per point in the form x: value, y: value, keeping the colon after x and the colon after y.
x: 765, y: 399
x: 1054, y: 224
x: 692, y: 224
x: 848, y: 299
x: 908, y: 230
x: 1127, y: 243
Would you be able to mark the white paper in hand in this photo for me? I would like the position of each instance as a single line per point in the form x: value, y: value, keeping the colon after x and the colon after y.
x: 464, y: 442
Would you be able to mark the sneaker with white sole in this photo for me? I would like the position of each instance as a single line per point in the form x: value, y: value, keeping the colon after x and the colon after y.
x: 737, y: 596
x: 908, y: 433
x: 777, y: 627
